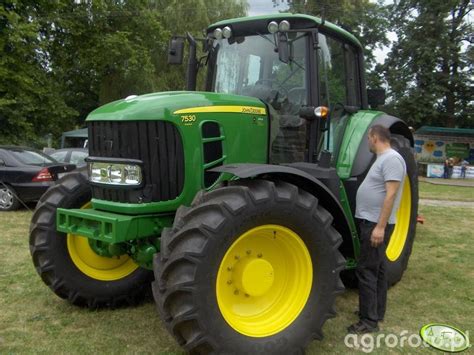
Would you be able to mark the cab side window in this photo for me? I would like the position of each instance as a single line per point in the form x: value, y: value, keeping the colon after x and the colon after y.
x: 338, y: 72
x: 352, y: 76
x: 288, y: 130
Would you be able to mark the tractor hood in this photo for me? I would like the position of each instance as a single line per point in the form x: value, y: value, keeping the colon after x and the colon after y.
x: 165, y: 104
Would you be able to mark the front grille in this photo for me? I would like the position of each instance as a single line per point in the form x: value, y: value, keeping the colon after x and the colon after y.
x: 157, y: 143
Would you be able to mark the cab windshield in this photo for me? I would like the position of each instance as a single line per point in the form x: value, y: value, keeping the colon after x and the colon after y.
x: 250, y: 66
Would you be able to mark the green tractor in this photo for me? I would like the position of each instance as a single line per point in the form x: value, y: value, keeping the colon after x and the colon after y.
x: 235, y: 203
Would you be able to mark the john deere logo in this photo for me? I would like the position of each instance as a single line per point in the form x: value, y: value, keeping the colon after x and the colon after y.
x: 444, y: 337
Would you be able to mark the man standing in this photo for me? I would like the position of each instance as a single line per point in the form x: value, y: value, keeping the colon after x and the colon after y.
x: 464, y: 166
x: 377, y: 201
x: 446, y: 169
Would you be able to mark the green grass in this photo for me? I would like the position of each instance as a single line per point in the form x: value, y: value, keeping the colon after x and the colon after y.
x: 437, y: 287
x: 446, y: 192
x: 33, y: 319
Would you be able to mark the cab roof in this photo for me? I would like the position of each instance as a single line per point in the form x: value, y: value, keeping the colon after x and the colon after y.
x: 243, y: 26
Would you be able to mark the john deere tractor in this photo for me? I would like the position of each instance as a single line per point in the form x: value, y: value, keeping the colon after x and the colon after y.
x: 236, y: 204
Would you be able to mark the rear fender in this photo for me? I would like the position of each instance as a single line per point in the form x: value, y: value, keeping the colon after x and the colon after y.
x: 364, y: 157
x: 355, y: 157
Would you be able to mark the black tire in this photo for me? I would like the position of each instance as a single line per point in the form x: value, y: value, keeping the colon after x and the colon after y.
x: 8, y: 198
x: 192, y: 250
x: 396, y: 268
x: 53, y: 262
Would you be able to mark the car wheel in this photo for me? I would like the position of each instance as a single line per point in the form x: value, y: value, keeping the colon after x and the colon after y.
x: 8, y: 198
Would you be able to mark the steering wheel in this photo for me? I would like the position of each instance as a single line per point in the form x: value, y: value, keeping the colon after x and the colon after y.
x: 280, y: 92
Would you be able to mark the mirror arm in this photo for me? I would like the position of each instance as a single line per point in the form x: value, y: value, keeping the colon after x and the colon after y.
x: 191, y: 73
x: 283, y: 47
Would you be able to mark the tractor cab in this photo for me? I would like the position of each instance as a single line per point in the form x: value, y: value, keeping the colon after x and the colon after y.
x: 295, y: 64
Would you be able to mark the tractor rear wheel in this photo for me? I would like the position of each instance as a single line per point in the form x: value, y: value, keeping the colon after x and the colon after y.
x: 252, y: 267
x: 401, y: 241
x: 69, y: 265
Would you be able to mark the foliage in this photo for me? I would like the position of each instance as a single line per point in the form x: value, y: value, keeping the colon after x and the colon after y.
x: 31, y: 104
x: 102, y: 51
x: 61, y: 59
x: 429, y: 70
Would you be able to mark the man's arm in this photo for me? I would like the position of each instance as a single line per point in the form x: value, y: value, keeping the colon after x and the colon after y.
x: 379, y: 231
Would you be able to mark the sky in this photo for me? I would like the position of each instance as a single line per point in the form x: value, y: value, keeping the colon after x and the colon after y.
x: 263, y: 7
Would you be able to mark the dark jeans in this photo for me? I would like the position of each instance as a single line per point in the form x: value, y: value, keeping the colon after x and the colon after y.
x: 370, y: 272
x: 445, y: 173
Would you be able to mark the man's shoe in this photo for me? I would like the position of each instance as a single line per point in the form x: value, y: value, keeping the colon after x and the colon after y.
x: 361, y: 328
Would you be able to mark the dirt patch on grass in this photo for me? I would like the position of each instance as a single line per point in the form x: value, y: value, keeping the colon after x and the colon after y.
x: 446, y: 203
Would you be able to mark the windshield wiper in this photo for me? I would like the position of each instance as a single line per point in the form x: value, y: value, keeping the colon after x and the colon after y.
x: 268, y: 39
x: 293, y: 72
x: 297, y: 64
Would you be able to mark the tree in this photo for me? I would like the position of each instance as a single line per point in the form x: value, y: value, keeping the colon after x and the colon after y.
x: 62, y: 59
x: 104, y: 51
x: 30, y: 101
x: 428, y: 70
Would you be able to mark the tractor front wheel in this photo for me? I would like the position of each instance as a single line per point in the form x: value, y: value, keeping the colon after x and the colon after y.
x: 251, y: 267
x: 69, y: 265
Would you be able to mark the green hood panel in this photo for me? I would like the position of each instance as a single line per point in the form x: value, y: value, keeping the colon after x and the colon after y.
x: 242, y: 137
x: 163, y: 105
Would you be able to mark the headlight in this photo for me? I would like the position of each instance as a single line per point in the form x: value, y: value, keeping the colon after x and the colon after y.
x: 115, y: 174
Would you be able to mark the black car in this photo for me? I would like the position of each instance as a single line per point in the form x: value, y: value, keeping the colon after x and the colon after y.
x: 74, y: 156
x: 25, y: 174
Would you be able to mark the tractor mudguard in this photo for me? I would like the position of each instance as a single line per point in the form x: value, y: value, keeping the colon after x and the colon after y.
x: 301, y: 179
x: 364, y: 157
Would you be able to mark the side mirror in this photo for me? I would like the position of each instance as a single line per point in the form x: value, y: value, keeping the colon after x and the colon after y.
x: 376, y: 97
x: 283, y: 48
x: 2, y: 162
x: 176, y: 50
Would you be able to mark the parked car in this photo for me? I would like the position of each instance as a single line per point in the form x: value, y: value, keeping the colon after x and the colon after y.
x: 25, y: 174
x: 74, y: 156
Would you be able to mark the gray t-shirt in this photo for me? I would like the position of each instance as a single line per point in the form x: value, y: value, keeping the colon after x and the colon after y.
x: 389, y: 166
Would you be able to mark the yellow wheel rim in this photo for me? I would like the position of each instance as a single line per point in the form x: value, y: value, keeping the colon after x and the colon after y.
x: 400, y: 233
x: 95, y: 266
x: 264, y: 280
